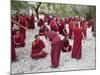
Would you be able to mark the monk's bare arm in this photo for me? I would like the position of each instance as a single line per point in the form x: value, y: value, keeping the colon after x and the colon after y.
x: 17, y: 23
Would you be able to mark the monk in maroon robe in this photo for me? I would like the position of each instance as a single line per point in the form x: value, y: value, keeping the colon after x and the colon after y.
x: 37, y: 48
x: 67, y: 47
x: 77, y: 45
x: 70, y: 29
x: 32, y: 25
x: 56, y: 46
x: 43, y: 29
x: 62, y: 22
x: 13, y: 52
x: 84, y: 28
x: 19, y: 40
x: 28, y: 19
x: 53, y: 25
x: 41, y: 22
x: 22, y: 21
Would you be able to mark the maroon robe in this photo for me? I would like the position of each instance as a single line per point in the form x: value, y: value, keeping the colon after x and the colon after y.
x: 84, y: 29
x: 67, y: 47
x: 22, y: 22
x: 61, y: 27
x: 43, y: 29
x: 37, y: 47
x: 32, y: 25
x: 56, y: 46
x: 28, y: 19
x: 13, y: 52
x: 77, y: 45
x: 41, y: 22
x: 70, y: 29
x: 53, y: 26
x: 19, y: 39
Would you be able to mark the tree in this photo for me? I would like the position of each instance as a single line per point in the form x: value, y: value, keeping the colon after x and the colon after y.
x: 19, y: 5
x: 36, y: 8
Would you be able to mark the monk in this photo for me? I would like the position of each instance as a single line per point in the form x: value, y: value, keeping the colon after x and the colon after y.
x: 19, y: 40
x: 53, y: 25
x: 32, y: 21
x: 41, y: 22
x: 43, y: 29
x: 84, y: 28
x: 22, y: 21
x: 67, y: 47
x: 62, y: 22
x: 70, y: 28
x: 37, y: 48
x: 56, y: 46
x: 77, y: 45
x: 28, y: 19
x: 13, y: 51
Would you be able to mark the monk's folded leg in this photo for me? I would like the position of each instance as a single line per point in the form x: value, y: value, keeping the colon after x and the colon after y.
x: 38, y: 56
x: 44, y: 54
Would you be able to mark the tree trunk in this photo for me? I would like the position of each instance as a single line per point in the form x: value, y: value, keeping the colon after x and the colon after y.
x: 37, y: 14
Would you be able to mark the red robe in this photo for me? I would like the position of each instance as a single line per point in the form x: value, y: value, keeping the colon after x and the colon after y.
x: 56, y: 46
x: 37, y: 48
x: 28, y: 19
x: 67, y: 47
x: 61, y: 27
x: 70, y: 29
x: 84, y: 29
x: 13, y: 52
x: 22, y: 22
x: 42, y: 30
x: 41, y: 22
x: 32, y: 25
x: 77, y: 45
x: 19, y: 39
x: 53, y: 25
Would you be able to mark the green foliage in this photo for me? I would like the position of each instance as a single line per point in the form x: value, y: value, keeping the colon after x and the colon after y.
x: 18, y: 5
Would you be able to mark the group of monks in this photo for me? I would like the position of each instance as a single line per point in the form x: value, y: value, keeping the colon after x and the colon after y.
x: 70, y: 28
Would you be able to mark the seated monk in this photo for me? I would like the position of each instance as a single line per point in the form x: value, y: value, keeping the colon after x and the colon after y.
x: 19, y: 40
x: 67, y: 47
x: 37, y: 48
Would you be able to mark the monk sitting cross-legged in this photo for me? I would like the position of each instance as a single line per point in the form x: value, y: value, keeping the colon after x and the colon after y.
x: 19, y: 40
x: 37, y: 48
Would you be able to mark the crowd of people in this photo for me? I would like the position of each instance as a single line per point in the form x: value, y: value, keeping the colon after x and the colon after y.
x: 69, y: 27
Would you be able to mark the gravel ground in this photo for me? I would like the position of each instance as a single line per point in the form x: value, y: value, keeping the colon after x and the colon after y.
x: 26, y: 64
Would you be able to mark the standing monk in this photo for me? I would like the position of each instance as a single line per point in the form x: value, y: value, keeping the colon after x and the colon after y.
x: 53, y: 25
x: 70, y: 28
x: 77, y: 45
x: 13, y: 52
x: 41, y: 22
x: 22, y: 21
x: 32, y: 22
x: 56, y: 46
x: 62, y: 22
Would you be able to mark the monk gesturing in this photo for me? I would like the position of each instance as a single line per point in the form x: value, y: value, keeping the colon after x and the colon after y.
x: 56, y: 46
x: 13, y: 51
